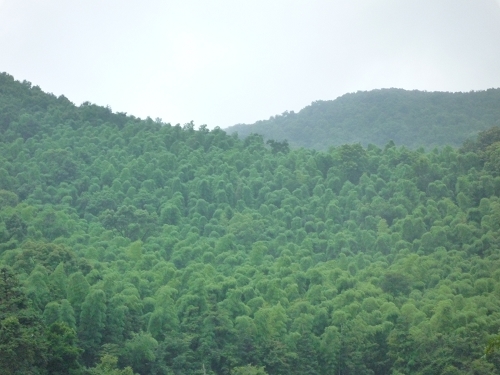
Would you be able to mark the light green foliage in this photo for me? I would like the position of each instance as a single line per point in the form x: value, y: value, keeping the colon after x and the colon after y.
x: 8, y: 198
x: 163, y: 320
x: 67, y: 314
x: 139, y: 352
x: 248, y: 370
x: 78, y: 288
x: 108, y: 366
x: 271, y: 322
x: 36, y: 287
x: 51, y: 313
x: 134, y: 251
x: 57, y: 282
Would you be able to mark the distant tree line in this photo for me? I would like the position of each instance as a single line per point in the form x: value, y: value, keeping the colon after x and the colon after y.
x: 409, y: 118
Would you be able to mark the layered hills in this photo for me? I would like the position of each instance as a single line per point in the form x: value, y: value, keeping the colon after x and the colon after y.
x: 411, y: 118
x: 132, y: 246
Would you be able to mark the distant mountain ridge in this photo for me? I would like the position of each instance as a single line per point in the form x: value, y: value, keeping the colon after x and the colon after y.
x: 410, y: 118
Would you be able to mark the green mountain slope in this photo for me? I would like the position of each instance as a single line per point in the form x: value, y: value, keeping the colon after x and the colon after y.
x: 410, y: 118
x: 133, y: 246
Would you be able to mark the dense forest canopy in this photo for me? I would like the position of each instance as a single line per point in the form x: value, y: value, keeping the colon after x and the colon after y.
x: 409, y: 118
x: 134, y: 246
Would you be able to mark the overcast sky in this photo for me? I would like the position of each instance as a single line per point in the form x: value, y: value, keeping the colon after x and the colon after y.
x: 225, y: 62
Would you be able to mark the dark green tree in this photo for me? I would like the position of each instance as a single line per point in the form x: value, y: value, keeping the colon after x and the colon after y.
x: 91, y: 326
x: 23, y: 348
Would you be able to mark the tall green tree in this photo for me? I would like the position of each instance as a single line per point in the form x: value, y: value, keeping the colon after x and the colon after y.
x: 91, y: 326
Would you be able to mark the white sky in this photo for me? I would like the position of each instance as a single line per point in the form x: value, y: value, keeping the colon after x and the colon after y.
x: 225, y: 62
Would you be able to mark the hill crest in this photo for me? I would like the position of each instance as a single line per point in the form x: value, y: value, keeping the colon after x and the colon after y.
x: 411, y: 118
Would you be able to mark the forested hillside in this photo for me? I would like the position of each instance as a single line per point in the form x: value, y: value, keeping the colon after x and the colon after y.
x: 409, y: 118
x: 134, y: 246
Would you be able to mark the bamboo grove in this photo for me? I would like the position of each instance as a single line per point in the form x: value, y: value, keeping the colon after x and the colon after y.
x: 132, y: 246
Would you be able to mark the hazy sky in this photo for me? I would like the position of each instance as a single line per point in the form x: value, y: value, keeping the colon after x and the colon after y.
x: 225, y: 62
